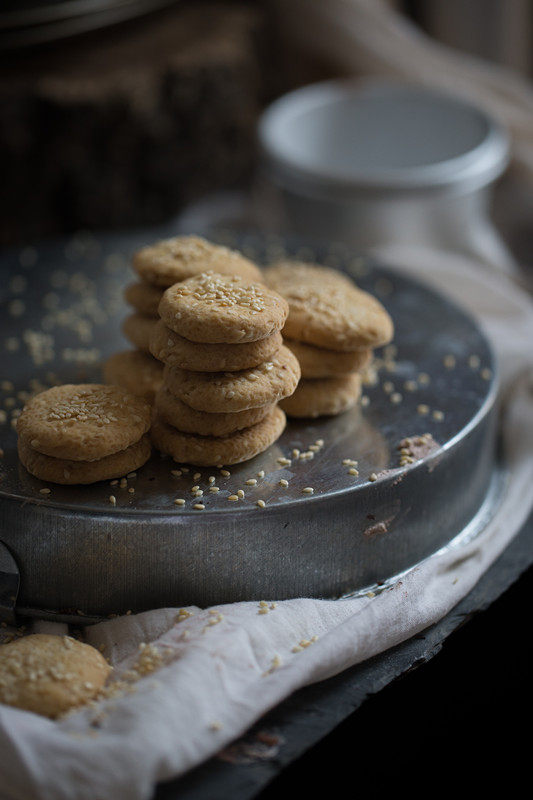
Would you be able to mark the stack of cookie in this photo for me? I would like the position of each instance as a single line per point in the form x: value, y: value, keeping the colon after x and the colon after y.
x: 226, y: 369
x: 159, y: 266
x: 332, y: 328
x: 83, y: 433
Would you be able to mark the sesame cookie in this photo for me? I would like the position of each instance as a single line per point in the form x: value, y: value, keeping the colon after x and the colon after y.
x: 327, y: 310
x: 323, y: 397
x: 173, y: 349
x: 211, y: 451
x: 68, y: 472
x: 83, y: 422
x: 214, y: 308
x: 144, y: 298
x: 138, y: 328
x: 136, y: 372
x: 50, y: 675
x: 174, y: 412
x: 316, y: 362
x: 174, y: 260
x: 223, y: 392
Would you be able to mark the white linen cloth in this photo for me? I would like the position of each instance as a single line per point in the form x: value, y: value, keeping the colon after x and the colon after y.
x: 220, y: 680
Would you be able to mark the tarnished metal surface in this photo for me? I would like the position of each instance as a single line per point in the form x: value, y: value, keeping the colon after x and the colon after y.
x: 77, y: 551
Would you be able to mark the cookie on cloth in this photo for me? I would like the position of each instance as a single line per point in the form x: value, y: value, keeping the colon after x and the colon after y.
x: 215, y: 308
x: 83, y: 422
x: 327, y: 310
x: 138, y: 329
x: 174, y: 412
x: 144, y: 298
x: 136, y: 372
x: 221, y: 392
x: 323, y: 397
x: 316, y: 362
x: 172, y: 260
x: 212, y: 451
x: 50, y: 675
x: 174, y: 350
x: 69, y: 472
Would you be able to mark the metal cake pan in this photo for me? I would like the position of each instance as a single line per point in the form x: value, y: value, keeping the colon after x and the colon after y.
x: 77, y: 552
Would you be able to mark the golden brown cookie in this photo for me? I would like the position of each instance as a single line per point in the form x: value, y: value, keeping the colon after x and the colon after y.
x: 323, y: 397
x: 174, y: 350
x: 174, y: 412
x: 173, y: 260
x: 211, y: 451
x: 83, y: 422
x: 50, y: 675
x: 138, y: 329
x: 215, y: 309
x: 144, y: 298
x: 68, y: 472
x: 327, y: 310
x: 223, y: 392
x: 316, y: 362
x: 136, y: 372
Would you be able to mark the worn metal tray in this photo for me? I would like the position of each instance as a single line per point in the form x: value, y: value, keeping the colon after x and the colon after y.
x: 61, y: 314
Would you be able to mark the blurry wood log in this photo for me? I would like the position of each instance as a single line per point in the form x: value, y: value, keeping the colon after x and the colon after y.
x: 124, y: 126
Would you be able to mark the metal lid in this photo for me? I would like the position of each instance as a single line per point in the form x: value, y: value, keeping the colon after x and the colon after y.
x: 350, y: 136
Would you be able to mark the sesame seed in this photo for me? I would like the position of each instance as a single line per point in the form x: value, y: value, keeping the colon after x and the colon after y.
x: 424, y: 379
x: 396, y: 398
x: 422, y: 409
x: 353, y: 471
x: 261, y: 474
x: 349, y: 462
x: 296, y: 453
x: 284, y: 462
x: 212, y: 479
x: 284, y: 483
x: 240, y: 494
x: 410, y: 386
x: 372, y: 476
x: 474, y: 362
x: 233, y: 497
x: 195, y: 488
x: 179, y: 502
x: 44, y: 491
x: 196, y: 476
x: 112, y: 499
x: 251, y: 482
x: 449, y: 361
x: 486, y: 374
x: 214, y: 489
x: 261, y: 503
x: 225, y: 472
x: 365, y: 400
x: 175, y: 472
x: 199, y: 506
x: 308, y: 490
x: 438, y: 415
x: 388, y: 387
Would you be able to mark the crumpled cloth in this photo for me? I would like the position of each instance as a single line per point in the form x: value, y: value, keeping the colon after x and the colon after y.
x: 224, y: 670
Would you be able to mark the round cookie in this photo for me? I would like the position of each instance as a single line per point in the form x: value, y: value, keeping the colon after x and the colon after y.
x: 214, y: 308
x: 173, y: 260
x: 83, y: 422
x: 327, y: 310
x: 316, y: 362
x: 136, y: 372
x: 68, y: 472
x: 174, y: 412
x: 144, y: 298
x: 50, y: 675
x: 323, y: 397
x: 210, y: 451
x: 222, y: 392
x: 174, y: 350
x: 138, y: 329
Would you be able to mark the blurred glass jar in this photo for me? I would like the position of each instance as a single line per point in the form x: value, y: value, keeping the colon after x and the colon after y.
x: 379, y: 163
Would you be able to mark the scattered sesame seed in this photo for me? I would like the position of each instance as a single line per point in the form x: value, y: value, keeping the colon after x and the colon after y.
x: 195, y: 488
x: 215, y: 726
x: 438, y: 415
x: 240, y: 494
x: 214, y: 489
x: 261, y: 503
x: 372, y: 476
x: 396, y: 398
x: 320, y: 442
x: 349, y: 462
x: 179, y: 501
x: 225, y: 472
x: 296, y: 453
x: 422, y: 409
x: 196, y: 476
x: 486, y: 374
x: 474, y: 361
x: 251, y: 482
x: 175, y: 472
x: 112, y: 499
x: 44, y: 491
x: 308, y: 490
x: 284, y: 483
x: 424, y: 379
x: 365, y: 400
x: 388, y: 387
x: 212, y: 479
x: 284, y: 462
x: 449, y: 361
x: 261, y: 474
x: 199, y: 506
x: 233, y: 497
x: 410, y: 386
x: 353, y: 471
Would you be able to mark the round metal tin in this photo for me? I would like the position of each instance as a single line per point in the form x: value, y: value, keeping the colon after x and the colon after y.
x: 76, y: 551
